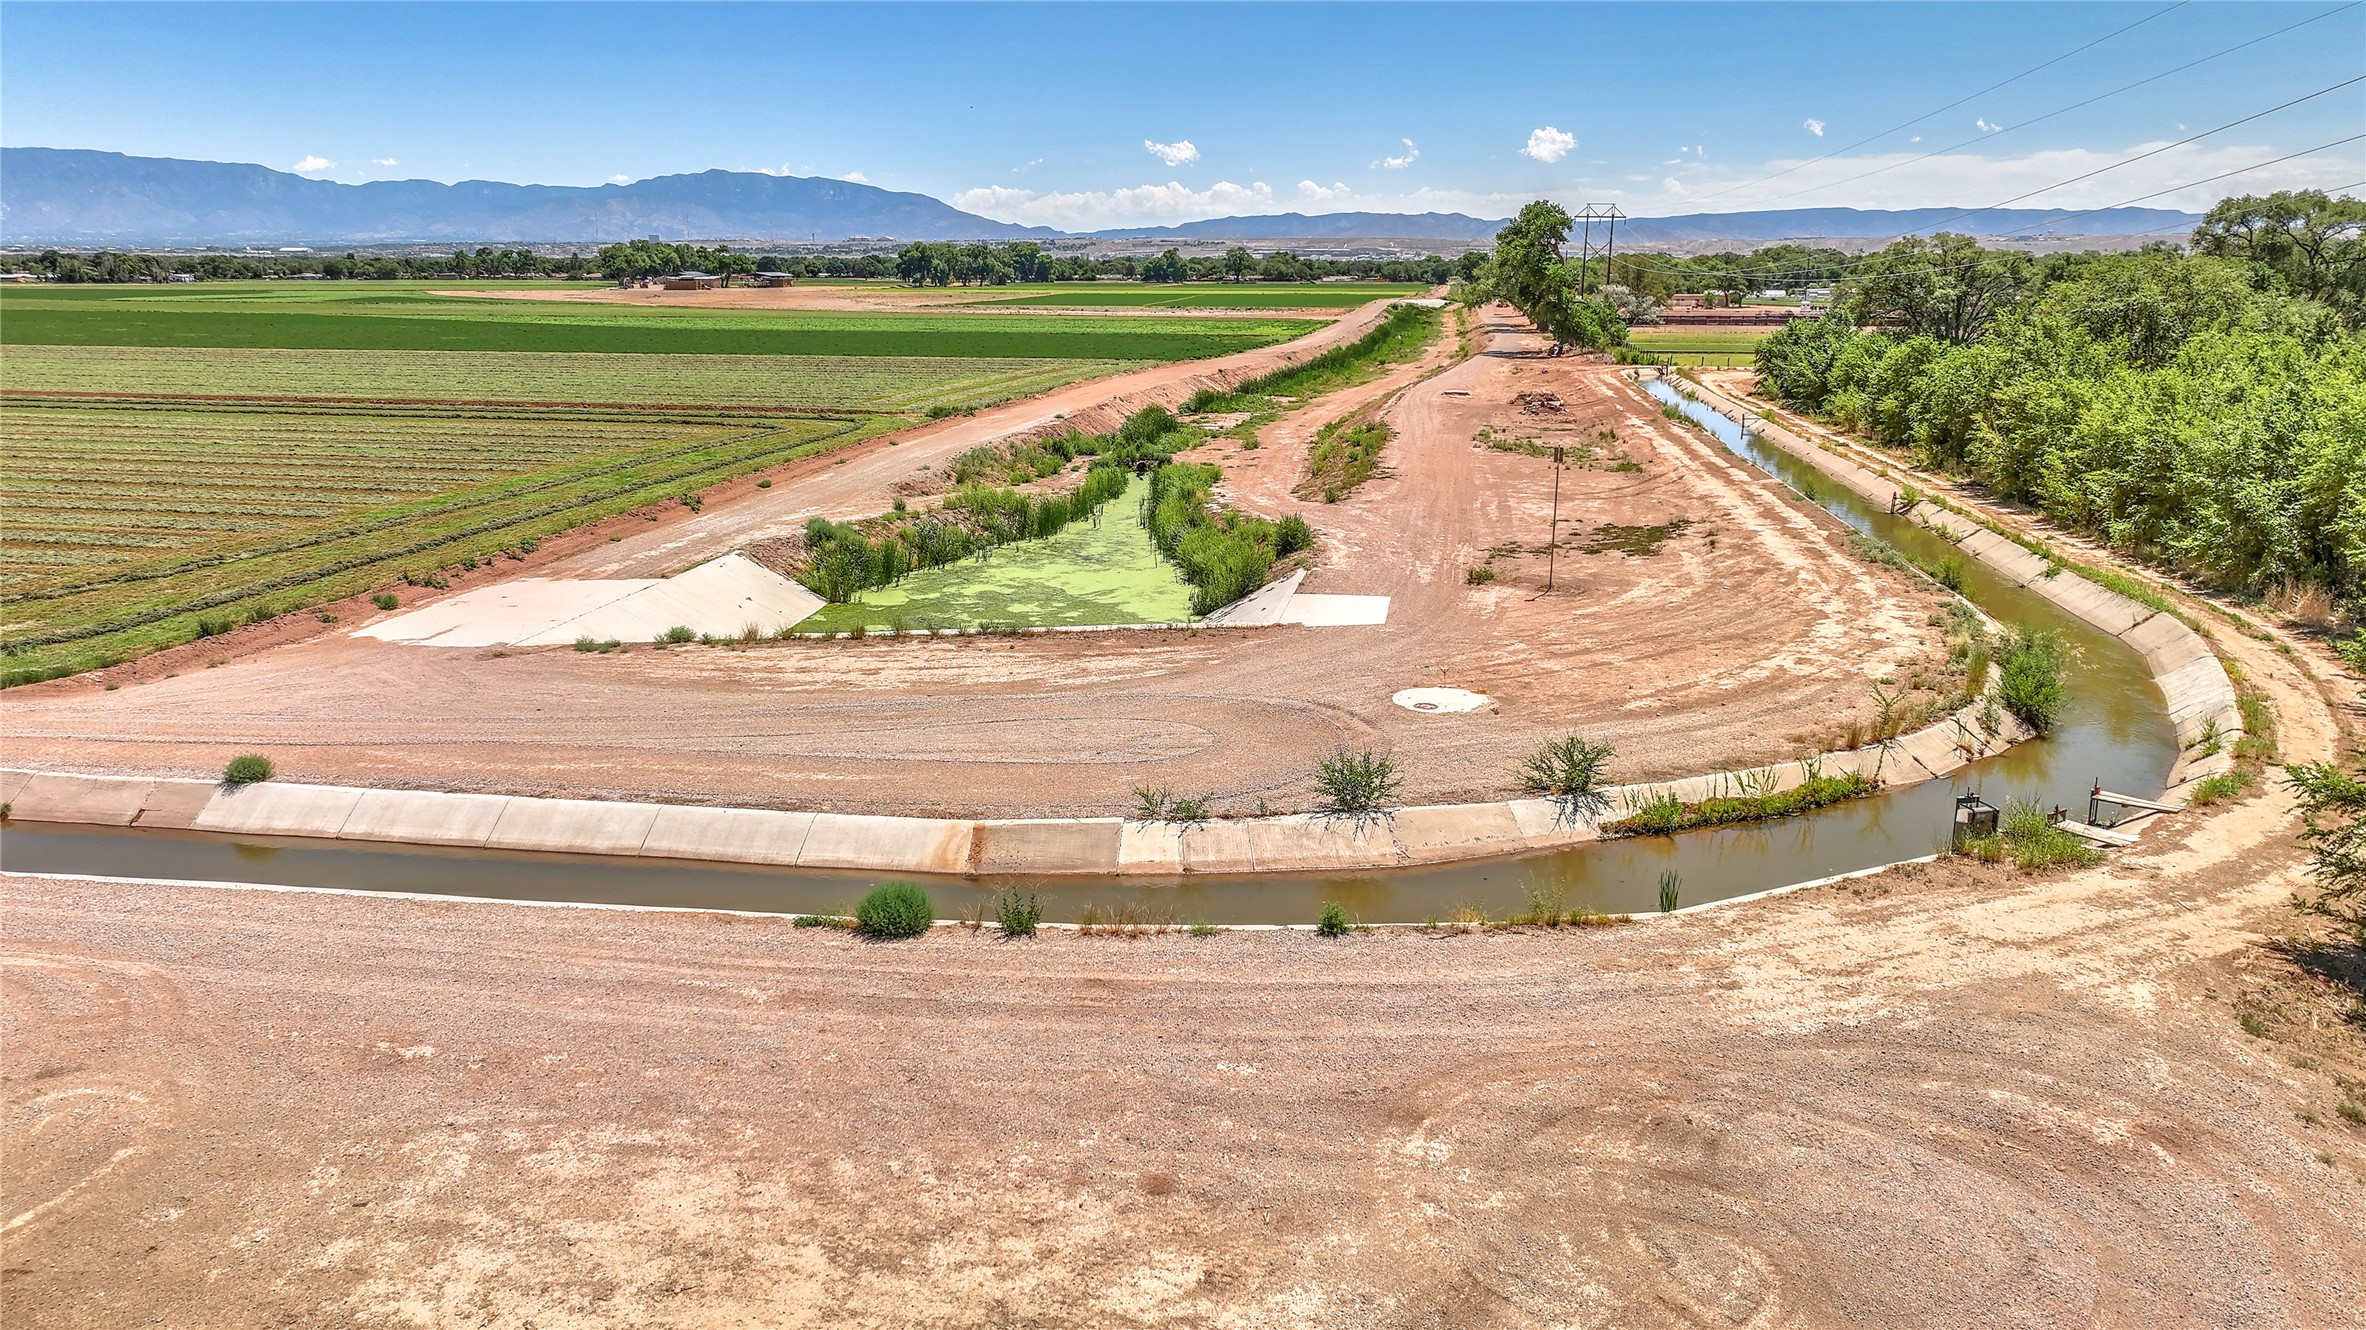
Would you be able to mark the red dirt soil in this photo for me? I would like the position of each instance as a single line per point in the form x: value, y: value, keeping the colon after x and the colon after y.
x: 1750, y: 636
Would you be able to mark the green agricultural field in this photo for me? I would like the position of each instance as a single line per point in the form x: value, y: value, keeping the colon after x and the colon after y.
x: 133, y: 529
x: 361, y: 317
x: 1085, y: 575
x: 828, y: 383
x: 1246, y: 295
x: 176, y: 460
x: 1697, y: 339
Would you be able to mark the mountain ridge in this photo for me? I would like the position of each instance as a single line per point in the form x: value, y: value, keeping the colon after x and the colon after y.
x: 87, y: 197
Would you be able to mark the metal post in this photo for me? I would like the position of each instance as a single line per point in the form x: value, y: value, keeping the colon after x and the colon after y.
x: 1552, y: 544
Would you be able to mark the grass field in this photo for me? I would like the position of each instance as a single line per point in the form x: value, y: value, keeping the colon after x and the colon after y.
x: 1085, y: 575
x: 1712, y: 347
x: 178, y: 460
x: 363, y: 317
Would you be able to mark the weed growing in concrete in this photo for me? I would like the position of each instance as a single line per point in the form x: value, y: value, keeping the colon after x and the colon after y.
x: 676, y: 635
x: 1357, y: 786
x: 1202, y: 928
x: 1662, y: 813
x: 246, y: 769
x: 1018, y: 912
x: 1333, y: 920
x: 895, y: 910
x: 1569, y: 771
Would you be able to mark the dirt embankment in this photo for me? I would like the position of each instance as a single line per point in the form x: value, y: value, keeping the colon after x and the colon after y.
x: 1934, y: 1099
x: 1740, y: 631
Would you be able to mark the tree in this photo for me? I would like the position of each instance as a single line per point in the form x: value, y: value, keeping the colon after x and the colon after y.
x: 1167, y: 267
x: 2333, y: 807
x: 924, y: 264
x: 731, y: 263
x: 2314, y: 243
x: 1239, y: 263
x: 1945, y: 286
x: 1529, y: 272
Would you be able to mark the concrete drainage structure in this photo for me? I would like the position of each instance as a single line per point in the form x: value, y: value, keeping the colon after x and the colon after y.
x: 1432, y: 701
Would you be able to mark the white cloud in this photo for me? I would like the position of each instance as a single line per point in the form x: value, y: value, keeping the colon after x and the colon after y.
x: 620, y: 180
x: 1399, y: 163
x: 1986, y: 128
x: 1549, y: 144
x: 1173, y: 154
x: 1916, y: 139
x: 384, y: 161
x: 312, y: 162
x: 1311, y: 192
x: 1813, y: 126
x: 1096, y: 210
x: 1031, y: 164
x: 855, y: 178
x: 1673, y: 186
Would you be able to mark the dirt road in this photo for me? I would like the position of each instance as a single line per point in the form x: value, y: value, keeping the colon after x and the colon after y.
x: 1937, y: 1099
x: 1703, y: 618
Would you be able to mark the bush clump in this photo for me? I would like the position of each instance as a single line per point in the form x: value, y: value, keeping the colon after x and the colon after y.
x: 246, y: 769
x: 1332, y: 920
x: 1569, y: 771
x: 2029, y: 679
x: 2027, y: 837
x: 1357, y: 786
x: 895, y: 910
x: 386, y: 600
x: 1018, y: 912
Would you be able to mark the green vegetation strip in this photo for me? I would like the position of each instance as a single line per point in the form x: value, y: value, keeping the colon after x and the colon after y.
x: 1090, y: 573
x: 128, y: 323
x: 1664, y: 814
x: 1342, y: 296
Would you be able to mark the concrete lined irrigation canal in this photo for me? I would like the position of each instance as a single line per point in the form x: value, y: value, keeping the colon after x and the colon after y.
x: 2116, y: 730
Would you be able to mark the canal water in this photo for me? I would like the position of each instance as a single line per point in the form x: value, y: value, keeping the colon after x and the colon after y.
x: 2115, y: 730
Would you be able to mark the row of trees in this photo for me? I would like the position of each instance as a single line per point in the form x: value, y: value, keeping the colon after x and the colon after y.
x: 2204, y: 409
x: 110, y: 266
x: 937, y: 263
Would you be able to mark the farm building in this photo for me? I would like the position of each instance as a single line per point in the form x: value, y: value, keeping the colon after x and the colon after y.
x: 693, y: 281
x: 776, y: 279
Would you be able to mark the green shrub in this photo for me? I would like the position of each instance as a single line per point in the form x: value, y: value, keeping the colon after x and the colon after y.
x: 1569, y: 771
x: 1018, y: 912
x: 2354, y: 651
x: 386, y: 600
x: 1332, y: 920
x: 1358, y: 785
x: 2029, y: 838
x: 2029, y: 681
x: 1671, y: 889
x: 2223, y: 786
x: 895, y: 910
x: 1479, y: 576
x: 676, y: 635
x: 246, y: 769
x: 1662, y: 813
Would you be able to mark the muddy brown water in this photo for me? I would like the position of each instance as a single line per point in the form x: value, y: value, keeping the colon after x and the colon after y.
x: 2116, y: 730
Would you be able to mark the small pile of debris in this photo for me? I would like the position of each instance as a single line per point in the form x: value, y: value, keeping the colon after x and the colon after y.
x: 1539, y: 404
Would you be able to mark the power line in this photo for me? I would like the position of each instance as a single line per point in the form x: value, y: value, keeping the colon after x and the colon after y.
x: 1951, y: 105
x: 2051, y: 221
x: 2075, y: 106
x: 2155, y: 152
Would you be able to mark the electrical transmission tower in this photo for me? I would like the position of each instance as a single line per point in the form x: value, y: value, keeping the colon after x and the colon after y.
x: 1610, y: 216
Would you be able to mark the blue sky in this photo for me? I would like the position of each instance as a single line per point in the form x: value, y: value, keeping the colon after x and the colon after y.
x: 1083, y: 115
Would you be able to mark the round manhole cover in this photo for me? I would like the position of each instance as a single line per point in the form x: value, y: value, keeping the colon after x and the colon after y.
x: 1439, y: 699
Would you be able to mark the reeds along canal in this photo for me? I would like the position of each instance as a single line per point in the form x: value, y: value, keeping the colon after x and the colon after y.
x: 2115, y: 730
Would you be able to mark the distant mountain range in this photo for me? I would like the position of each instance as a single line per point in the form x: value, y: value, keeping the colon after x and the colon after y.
x: 70, y: 195
x: 78, y: 197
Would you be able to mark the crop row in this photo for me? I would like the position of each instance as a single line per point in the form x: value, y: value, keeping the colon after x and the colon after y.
x: 108, y: 619
x: 891, y: 383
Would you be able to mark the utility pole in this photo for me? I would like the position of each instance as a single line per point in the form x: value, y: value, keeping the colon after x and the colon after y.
x: 1552, y: 544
